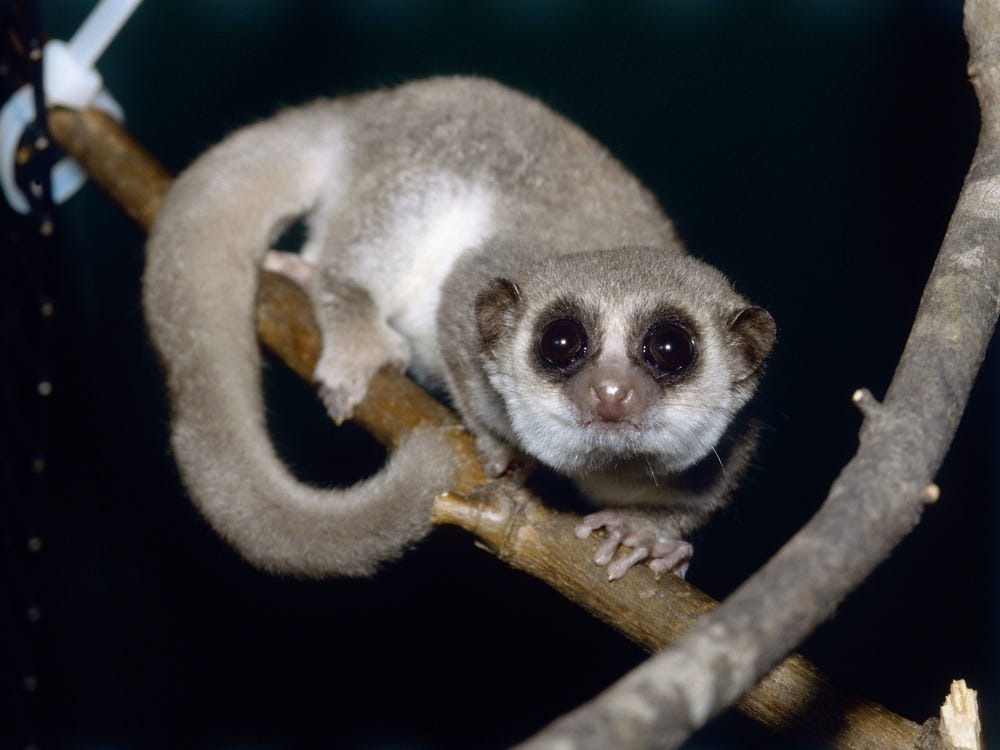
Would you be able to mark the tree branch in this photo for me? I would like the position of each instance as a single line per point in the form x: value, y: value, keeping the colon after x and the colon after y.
x: 514, y: 525
x: 874, y: 503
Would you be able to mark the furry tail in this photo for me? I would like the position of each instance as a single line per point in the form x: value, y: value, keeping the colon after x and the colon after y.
x: 199, y: 289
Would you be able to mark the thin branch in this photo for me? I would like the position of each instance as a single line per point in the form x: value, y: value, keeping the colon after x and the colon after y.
x: 794, y: 699
x: 526, y: 534
x: 874, y: 503
x: 508, y: 521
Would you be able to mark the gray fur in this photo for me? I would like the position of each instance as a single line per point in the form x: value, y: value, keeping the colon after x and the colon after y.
x: 417, y: 199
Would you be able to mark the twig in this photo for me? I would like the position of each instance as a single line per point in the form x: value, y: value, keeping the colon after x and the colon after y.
x: 874, y: 503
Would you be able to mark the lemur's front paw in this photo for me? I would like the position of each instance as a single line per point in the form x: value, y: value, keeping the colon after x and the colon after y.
x: 646, y: 542
x: 340, y: 391
x: 500, y: 460
x: 344, y: 371
x: 343, y: 384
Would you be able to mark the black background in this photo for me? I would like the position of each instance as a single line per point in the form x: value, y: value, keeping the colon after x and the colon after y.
x: 812, y: 150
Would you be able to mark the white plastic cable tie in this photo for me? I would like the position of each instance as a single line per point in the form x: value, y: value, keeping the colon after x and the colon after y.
x: 70, y: 80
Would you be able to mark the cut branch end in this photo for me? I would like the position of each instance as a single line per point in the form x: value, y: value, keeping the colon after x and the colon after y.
x: 863, y: 399
x: 931, y: 493
x: 960, y: 728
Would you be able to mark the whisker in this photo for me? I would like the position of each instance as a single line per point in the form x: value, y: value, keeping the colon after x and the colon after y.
x: 652, y: 472
x: 725, y: 475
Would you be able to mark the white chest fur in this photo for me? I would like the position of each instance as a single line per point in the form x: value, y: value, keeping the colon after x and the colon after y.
x: 433, y: 229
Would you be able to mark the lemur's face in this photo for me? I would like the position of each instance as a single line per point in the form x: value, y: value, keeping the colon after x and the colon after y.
x: 637, y: 364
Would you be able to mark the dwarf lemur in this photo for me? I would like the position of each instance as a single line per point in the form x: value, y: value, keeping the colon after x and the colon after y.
x: 468, y: 234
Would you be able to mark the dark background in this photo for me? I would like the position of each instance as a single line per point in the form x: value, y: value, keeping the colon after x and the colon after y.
x: 811, y: 149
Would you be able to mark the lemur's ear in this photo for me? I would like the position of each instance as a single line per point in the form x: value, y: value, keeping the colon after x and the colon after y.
x: 753, y: 332
x: 496, y: 311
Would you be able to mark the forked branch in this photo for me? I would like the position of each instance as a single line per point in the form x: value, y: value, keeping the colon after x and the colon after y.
x: 794, y: 697
x: 518, y: 528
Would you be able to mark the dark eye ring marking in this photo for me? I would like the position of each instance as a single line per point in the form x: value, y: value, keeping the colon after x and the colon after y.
x: 669, y: 348
x: 561, y: 343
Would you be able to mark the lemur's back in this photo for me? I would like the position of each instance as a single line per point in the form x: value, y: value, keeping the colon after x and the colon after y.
x: 547, y: 179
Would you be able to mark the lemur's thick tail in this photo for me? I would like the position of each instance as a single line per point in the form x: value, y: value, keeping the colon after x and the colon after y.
x: 199, y: 289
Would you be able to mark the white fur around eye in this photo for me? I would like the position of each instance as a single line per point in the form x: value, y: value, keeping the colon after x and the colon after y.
x: 682, y: 428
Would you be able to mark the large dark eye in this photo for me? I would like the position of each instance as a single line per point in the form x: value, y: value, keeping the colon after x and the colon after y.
x: 669, y: 347
x: 563, y: 342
